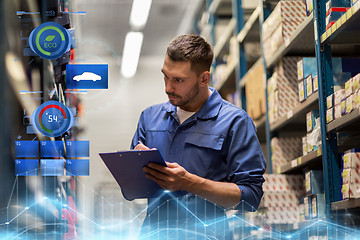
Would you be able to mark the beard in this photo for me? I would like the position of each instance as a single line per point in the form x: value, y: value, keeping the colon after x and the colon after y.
x: 184, y: 100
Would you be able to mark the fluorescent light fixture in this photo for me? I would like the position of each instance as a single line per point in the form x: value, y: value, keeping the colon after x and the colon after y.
x: 131, y: 53
x: 139, y: 13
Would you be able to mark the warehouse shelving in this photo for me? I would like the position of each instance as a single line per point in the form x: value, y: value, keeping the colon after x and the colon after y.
x: 299, y: 164
x: 300, y: 43
x: 344, y: 122
x: 346, y: 204
x: 296, y: 116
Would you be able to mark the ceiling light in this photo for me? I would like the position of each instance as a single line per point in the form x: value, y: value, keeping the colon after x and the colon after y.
x: 131, y: 53
x: 139, y: 13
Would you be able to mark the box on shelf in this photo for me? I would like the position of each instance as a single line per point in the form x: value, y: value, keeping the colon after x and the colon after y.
x: 333, y: 14
x: 343, y: 106
x: 285, y: 149
x: 302, y: 91
x: 281, y: 182
x: 305, y: 67
x: 314, y: 182
x: 330, y: 101
x: 309, y: 7
x: 318, y: 206
x: 255, y: 91
x: 315, y: 83
x: 337, y: 4
x: 339, y: 96
x: 309, y: 86
x: 282, y: 22
x: 304, y: 145
x: 350, y: 102
x: 351, y: 158
x: 353, y: 2
x: 310, y: 119
x: 356, y: 82
x: 349, y: 87
x: 329, y: 115
x: 311, y: 147
x: 307, y: 206
x: 337, y: 111
x: 350, y: 190
x: 350, y: 175
x: 281, y: 198
x: 357, y: 99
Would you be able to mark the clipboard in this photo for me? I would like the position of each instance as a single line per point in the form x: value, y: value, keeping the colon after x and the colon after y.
x: 127, y: 169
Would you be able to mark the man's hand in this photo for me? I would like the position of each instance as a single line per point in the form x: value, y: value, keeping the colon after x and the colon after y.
x: 141, y: 146
x: 173, y: 177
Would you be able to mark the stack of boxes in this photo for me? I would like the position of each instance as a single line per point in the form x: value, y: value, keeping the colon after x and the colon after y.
x: 284, y: 149
x: 350, y: 174
x: 281, y: 198
x: 334, y: 10
x: 281, y: 23
x: 307, y: 77
x: 282, y: 89
x: 314, y: 201
x: 311, y: 141
x: 343, y: 101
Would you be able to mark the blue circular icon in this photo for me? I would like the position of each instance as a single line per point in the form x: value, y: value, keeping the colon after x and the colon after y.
x: 50, y: 40
x: 52, y: 119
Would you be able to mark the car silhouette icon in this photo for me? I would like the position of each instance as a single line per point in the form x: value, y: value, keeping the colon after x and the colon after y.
x: 87, y: 76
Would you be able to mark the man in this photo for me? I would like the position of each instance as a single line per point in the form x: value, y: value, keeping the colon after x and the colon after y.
x: 210, y: 146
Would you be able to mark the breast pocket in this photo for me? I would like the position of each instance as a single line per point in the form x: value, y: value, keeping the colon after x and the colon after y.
x: 203, y: 153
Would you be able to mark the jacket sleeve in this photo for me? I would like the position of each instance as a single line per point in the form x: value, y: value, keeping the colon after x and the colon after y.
x: 245, y: 162
x: 140, y: 133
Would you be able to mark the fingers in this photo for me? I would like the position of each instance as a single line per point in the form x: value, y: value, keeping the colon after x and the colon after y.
x: 141, y: 146
x: 155, y: 173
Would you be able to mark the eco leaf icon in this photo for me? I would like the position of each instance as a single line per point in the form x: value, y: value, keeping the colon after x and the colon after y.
x: 49, y: 38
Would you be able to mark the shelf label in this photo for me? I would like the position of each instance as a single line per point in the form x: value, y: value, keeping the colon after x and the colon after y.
x: 278, y: 170
x: 318, y: 152
x: 338, y: 23
x: 299, y: 160
x: 290, y: 114
x: 294, y: 163
x: 328, y: 32
x: 315, y: 30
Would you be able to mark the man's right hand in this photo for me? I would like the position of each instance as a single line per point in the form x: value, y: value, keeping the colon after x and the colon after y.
x: 141, y: 146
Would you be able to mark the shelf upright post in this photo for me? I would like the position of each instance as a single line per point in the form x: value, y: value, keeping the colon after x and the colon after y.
x: 325, y: 77
x: 212, y: 22
x: 241, y: 68
x: 265, y: 12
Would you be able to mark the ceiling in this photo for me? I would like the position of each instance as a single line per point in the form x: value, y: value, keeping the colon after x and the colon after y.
x: 107, y: 22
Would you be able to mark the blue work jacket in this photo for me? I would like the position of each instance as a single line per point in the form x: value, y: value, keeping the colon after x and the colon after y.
x: 218, y: 142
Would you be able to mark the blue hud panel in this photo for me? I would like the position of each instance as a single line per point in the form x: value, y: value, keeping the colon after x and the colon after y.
x: 52, y: 167
x: 86, y: 76
x: 26, y: 167
x: 75, y: 149
x: 26, y: 149
x: 49, y: 149
x: 77, y: 167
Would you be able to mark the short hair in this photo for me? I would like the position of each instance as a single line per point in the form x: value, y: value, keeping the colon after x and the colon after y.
x: 193, y: 48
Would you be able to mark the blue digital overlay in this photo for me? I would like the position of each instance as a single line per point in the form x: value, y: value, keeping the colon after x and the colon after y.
x: 75, y: 149
x: 77, y: 167
x: 86, y: 76
x: 52, y: 167
x: 50, y: 40
x: 26, y: 167
x: 26, y: 149
x: 49, y: 149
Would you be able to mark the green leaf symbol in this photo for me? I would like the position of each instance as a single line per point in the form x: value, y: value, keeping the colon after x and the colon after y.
x: 49, y: 38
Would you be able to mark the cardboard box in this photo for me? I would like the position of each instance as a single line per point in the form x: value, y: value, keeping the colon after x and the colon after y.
x: 302, y: 91
x: 343, y: 106
x: 307, y: 206
x: 339, y: 96
x: 309, y: 7
x: 356, y: 82
x: 314, y: 182
x: 351, y: 159
x: 255, y: 91
x: 310, y: 120
x: 349, y: 87
x: 350, y: 102
x: 285, y: 149
x: 337, y: 111
x: 350, y: 190
x: 305, y: 67
x: 304, y: 145
x: 309, y: 86
x: 350, y: 175
x: 315, y: 83
x: 281, y: 198
x: 318, y: 206
x: 357, y: 99
x: 281, y: 182
x: 330, y: 101
x: 329, y: 115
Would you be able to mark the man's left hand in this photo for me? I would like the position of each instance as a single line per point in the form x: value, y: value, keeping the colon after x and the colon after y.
x: 173, y: 177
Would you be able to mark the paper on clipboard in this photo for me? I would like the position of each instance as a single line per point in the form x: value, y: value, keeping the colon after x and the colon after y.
x: 127, y: 169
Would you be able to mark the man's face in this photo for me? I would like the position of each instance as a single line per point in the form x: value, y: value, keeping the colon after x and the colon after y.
x: 181, y: 84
